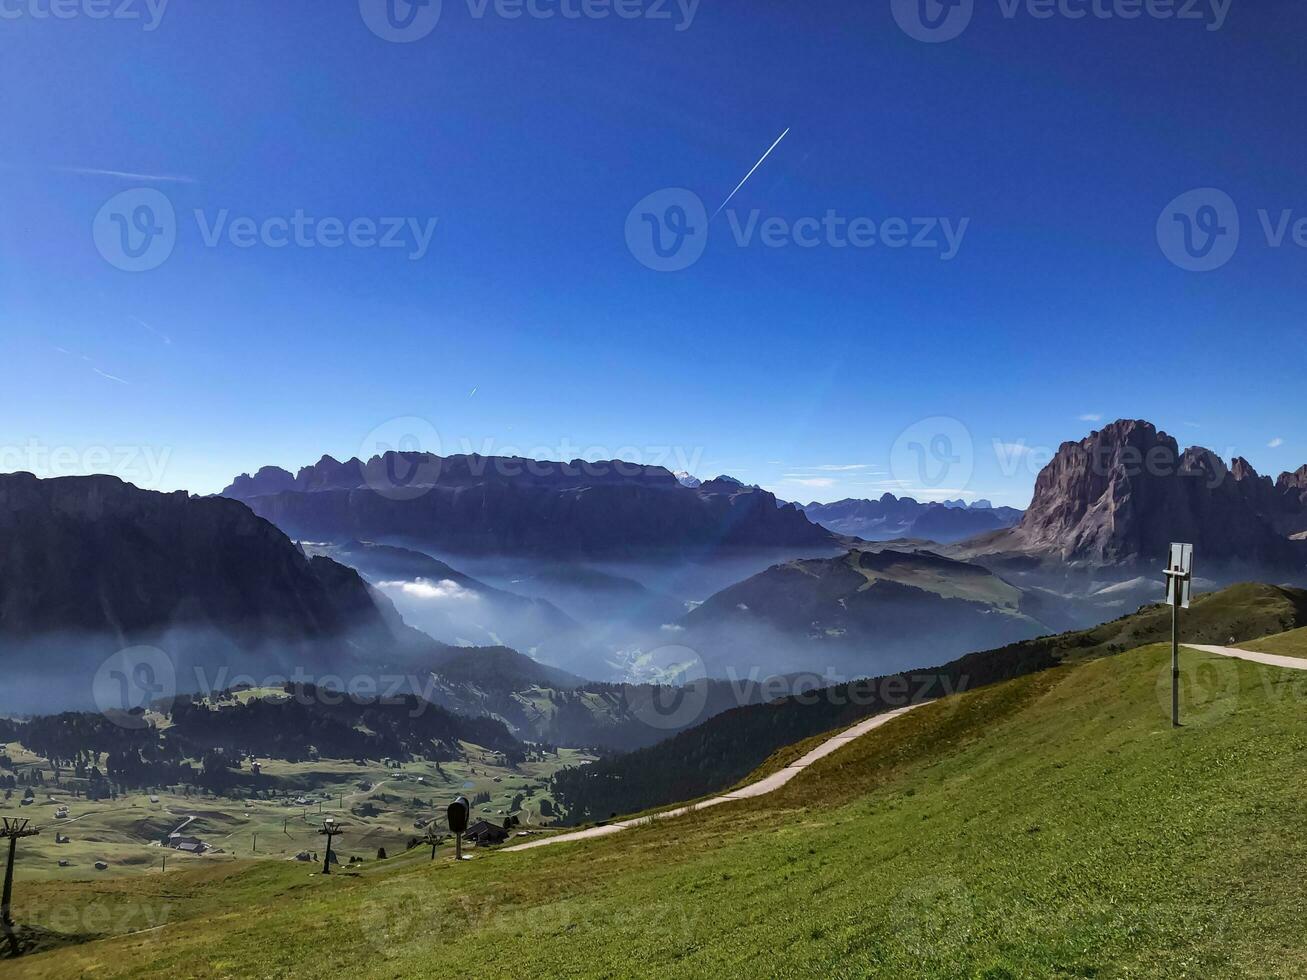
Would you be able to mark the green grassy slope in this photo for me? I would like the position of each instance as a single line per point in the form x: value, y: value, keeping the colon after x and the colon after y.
x: 1053, y: 825
x: 1290, y: 644
x: 727, y: 747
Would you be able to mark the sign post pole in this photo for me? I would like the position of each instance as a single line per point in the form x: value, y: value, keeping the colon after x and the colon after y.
x: 1179, y: 575
x: 1175, y: 665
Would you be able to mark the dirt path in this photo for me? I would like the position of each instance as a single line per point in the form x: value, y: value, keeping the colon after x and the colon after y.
x: 763, y: 786
x: 1270, y: 659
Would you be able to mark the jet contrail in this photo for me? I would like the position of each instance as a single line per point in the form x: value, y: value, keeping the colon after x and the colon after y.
x: 750, y: 173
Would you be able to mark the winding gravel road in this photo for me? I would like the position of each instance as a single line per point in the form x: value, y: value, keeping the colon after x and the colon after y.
x: 762, y: 787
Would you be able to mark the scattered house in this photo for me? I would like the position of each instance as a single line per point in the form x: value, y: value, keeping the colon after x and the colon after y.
x: 154, y: 799
x: 303, y: 856
x: 65, y: 863
x: 256, y: 768
x: 61, y: 813
x: 190, y: 845
x: 101, y: 866
x: 484, y: 833
x: 61, y: 838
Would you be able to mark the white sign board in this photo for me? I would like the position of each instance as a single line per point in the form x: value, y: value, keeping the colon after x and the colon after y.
x: 1179, y: 574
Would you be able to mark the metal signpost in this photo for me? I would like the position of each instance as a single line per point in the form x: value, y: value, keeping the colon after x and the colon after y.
x: 12, y: 829
x: 1179, y: 576
x: 330, y: 828
x: 457, y: 813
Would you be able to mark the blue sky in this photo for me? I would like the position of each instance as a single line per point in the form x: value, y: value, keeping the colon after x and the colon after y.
x: 528, y: 323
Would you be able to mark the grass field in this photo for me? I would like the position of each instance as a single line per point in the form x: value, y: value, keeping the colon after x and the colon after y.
x: 1291, y: 644
x: 125, y: 833
x: 1055, y: 825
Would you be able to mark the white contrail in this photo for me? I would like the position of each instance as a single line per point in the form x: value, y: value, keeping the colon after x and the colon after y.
x: 750, y: 173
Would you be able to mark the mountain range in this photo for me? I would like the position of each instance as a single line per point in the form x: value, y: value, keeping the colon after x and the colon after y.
x: 893, y: 517
x: 1112, y: 502
x: 863, y: 613
x: 92, y: 565
x: 492, y: 505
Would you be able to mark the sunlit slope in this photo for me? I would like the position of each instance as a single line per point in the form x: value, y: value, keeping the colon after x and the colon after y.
x: 1290, y: 644
x: 1054, y: 825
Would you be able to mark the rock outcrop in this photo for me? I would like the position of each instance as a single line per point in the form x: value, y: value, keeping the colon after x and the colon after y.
x: 1122, y: 494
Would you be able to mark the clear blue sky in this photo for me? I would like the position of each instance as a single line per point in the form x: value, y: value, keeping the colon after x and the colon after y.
x: 529, y: 324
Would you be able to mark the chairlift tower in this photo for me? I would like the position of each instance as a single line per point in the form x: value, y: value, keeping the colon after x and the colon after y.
x: 12, y: 829
x: 330, y: 828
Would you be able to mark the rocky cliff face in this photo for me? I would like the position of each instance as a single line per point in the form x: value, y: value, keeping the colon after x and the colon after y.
x: 92, y: 563
x: 500, y: 505
x: 1122, y: 494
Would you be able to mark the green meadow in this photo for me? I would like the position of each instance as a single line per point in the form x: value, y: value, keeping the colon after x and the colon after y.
x: 1054, y: 825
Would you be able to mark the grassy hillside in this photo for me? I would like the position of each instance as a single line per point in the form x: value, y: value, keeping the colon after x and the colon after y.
x: 1052, y: 825
x: 1290, y: 644
x: 721, y: 751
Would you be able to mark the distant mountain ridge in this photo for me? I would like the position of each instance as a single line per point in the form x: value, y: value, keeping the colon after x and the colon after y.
x: 90, y: 565
x: 1119, y: 496
x: 509, y: 505
x: 863, y: 613
x: 892, y: 517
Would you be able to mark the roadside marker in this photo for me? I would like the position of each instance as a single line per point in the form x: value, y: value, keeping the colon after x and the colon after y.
x: 1179, y: 577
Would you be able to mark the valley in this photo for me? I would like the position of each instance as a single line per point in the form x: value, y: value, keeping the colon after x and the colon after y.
x: 1134, y: 845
